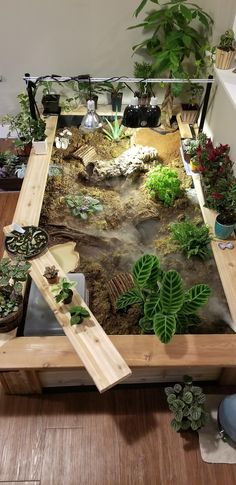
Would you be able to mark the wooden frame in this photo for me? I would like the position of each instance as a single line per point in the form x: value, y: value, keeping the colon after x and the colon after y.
x: 29, y: 363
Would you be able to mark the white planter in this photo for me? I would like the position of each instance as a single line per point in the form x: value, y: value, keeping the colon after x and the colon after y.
x: 40, y: 147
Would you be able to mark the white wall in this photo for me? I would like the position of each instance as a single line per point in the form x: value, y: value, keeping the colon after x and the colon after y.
x: 73, y: 37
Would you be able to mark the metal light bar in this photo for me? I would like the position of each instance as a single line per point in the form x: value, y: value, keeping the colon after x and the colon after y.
x: 36, y: 79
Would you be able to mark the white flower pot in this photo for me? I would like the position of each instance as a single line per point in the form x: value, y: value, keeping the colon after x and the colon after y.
x: 40, y: 147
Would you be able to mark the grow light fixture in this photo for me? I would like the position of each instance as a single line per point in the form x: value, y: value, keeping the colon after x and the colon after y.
x: 91, y: 120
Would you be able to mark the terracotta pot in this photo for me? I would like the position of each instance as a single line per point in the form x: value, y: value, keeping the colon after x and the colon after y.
x: 52, y: 281
x: 224, y: 59
x: 11, y: 321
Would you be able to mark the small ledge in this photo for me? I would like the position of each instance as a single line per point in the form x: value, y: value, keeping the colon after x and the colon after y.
x: 228, y: 80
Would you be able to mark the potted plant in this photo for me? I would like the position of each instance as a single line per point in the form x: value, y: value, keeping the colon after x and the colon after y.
x: 115, y: 89
x: 21, y: 125
x: 77, y: 314
x: 9, y: 162
x: 38, y: 128
x: 50, y: 99
x: 187, y: 403
x: 191, y: 108
x: 51, y: 275
x: 63, y: 291
x: 226, y: 219
x: 12, y: 274
x: 143, y: 70
x: 177, y: 31
x: 225, y: 52
x: 27, y: 242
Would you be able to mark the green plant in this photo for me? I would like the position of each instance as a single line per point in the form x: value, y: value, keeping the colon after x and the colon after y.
x: 163, y: 184
x: 227, y: 40
x: 115, y: 131
x: 38, y: 129
x: 192, y: 240
x: 12, y: 274
x: 186, y: 402
x: 83, y: 205
x: 166, y: 307
x: 191, y: 144
x: 78, y: 313
x: 8, y: 162
x: 176, y: 31
x: 63, y: 289
x: 114, y: 88
x: 143, y: 70
x: 21, y: 122
x: 28, y: 244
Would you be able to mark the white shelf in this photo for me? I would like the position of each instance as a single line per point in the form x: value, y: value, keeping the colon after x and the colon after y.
x: 228, y: 80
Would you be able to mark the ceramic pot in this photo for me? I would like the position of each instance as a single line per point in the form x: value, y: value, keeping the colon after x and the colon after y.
x: 40, y: 147
x: 223, y: 231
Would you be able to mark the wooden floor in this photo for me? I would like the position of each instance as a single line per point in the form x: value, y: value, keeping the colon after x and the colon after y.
x: 122, y: 437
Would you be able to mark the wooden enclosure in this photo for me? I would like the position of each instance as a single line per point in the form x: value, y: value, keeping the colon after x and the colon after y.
x: 27, y: 364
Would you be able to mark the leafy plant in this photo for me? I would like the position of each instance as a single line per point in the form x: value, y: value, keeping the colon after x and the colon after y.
x: 163, y: 184
x: 166, y: 307
x: 78, y: 313
x: 12, y: 274
x: 63, y: 289
x: 8, y: 162
x: 114, y: 88
x: 227, y: 40
x: 115, y: 131
x: 192, y: 240
x: 191, y: 144
x: 176, y: 31
x: 21, y: 122
x: 38, y: 128
x: 186, y: 402
x: 143, y: 70
x: 83, y: 205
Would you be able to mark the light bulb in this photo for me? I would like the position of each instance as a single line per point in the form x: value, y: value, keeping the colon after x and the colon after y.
x: 91, y: 120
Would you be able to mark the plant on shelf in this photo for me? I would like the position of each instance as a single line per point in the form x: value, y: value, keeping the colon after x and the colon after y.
x: 51, y: 274
x: 225, y: 51
x: 20, y: 123
x: 83, y: 205
x: 143, y: 70
x: 63, y: 291
x: 190, y: 145
x: 8, y: 163
x: 176, y: 32
x: 163, y: 184
x: 12, y: 274
x: 192, y: 101
x: 192, y: 239
x: 38, y: 129
x: 77, y: 314
x: 116, y: 92
x: 167, y: 308
x: 187, y: 403
x: 116, y: 131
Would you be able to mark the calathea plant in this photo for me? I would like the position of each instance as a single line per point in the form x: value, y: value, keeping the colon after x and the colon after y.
x: 167, y: 308
x: 187, y: 405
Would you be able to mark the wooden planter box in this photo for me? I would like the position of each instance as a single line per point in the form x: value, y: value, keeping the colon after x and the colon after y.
x: 29, y: 363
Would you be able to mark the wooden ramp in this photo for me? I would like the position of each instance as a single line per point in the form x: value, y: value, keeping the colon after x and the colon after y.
x: 100, y: 357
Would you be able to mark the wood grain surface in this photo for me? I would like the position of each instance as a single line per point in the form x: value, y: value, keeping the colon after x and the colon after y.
x: 122, y: 437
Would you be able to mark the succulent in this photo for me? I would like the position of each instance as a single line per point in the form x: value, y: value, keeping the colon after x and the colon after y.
x: 78, y: 313
x: 50, y: 272
x: 115, y: 131
x: 227, y: 40
x: 187, y: 405
x: 82, y: 205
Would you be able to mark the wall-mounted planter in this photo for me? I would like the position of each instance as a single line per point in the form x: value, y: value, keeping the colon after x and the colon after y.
x: 224, y: 59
